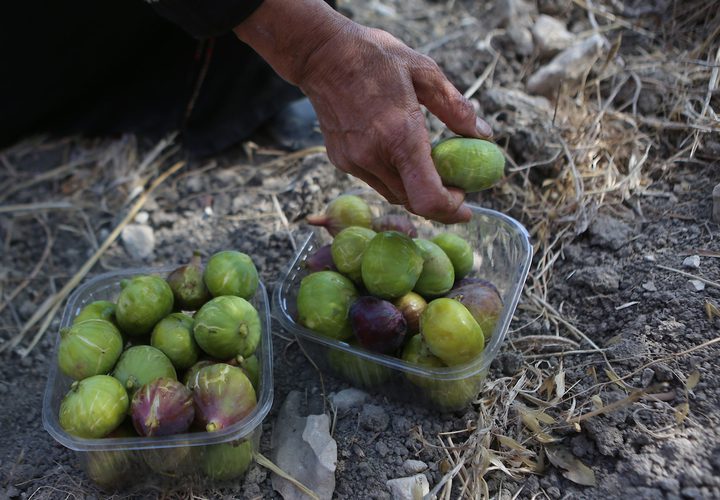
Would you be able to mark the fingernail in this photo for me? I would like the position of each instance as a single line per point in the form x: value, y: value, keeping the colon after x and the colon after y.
x: 483, y: 128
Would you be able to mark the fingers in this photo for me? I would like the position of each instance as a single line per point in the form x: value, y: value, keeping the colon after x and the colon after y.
x: 443, y: 100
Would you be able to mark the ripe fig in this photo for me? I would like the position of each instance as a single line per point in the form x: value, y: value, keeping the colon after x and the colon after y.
x: 100, y: 309
x: 411, y: 305
x: 323, y: 301
x: 357, y: 370
x: 347, y: 250
x: 223, y: 396
x: 162, y: 407
x: 93, y: 407
x: 484, y: 303
x: 344, y: 211
x: 377, y: 324
x: 450, y: 332
x: 168, y: 461
x: 188, y: 285
x: 225, y: 461
x: 416, y: 352
x: 142, y: 364
x: 190, y: 377
x: 231, y: 273
x: 250, y: 367
x: 320, y: 260
x: 143, y: 301
x: 395, y: 222
x: 227, y: 326
x: 458, y: 250
x: 470, y: 164
x: 90, y: 347
x: 108, y: 469
x: 173, y: 335
x: 391, y: 265
x: 438, y: 274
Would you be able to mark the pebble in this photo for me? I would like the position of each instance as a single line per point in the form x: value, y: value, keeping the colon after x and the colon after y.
x: 692, y: 262
x: 649, y: 258
x: 550, y: 35
x: 649, y: 286
x: 194, y: 184
x: 374, y: 418
x: 139, y: 241
x: 647, y: 376
x: 142, y: 217
x: 697, y: 285
x: 414, y: 466
x: 382, y: 449
x: 409, y: 488
x: 348, y: 398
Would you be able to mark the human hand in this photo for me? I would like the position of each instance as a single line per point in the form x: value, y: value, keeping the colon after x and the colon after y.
x: 367, y: 88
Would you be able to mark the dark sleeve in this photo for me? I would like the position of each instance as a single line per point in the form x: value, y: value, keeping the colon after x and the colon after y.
x: 204, y: 18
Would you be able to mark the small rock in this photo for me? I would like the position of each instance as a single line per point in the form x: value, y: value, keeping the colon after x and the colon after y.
x: 716, y: 204
x: 409, y: 488
x: 600, y: 279
x: 568, y: 65
x: 139, y: 241
x: 551, y: 36
x: 554, y: 492
x: 414, y: 466
x: 12, y: 492
x: 647, y: 376
x: 142, y: 217
x: 649, y: 258
x: 522, y: 39
x: 374, y: 418
x: 649, y: 286
x: 697, y: 285
x: 382, y: 449
x: 669, y: 484
x: 194, y: 184
x: 692, y: 493
x: 348, y: 398
x: 255, y: 475
x: 608, y: 232
x: 692, y: 262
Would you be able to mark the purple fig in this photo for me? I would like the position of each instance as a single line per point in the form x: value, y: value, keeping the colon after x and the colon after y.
x: 411, y: 305
x: 190, y: 377
x: 188, y: 286
x: 162, y: 407
x: 395, y: 222
x: 344, y: 211
x: 483, y: 301
x: 90, y: 347
x: 223, y: 396
x: 320, y: 260
x: 93, y: 407
x: 377, y: 324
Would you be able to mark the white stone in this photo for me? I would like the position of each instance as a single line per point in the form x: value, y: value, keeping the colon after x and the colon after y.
x: 142, y: 217
x: 649, y: 258
x: 692, y: 262
x: 697, y: 285
x: 409, y: 488
x: 139, y: 241
x: 551, y: 36
x: 414, y: 466
x: 569, y: 65
x: 348, y: 398
x: 649, y: 286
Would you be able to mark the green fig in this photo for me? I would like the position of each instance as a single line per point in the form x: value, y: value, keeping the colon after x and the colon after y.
x: 323, y: 302
x: 470, y: 164
x: 391, y: 265
x: 458, y: 250
x: 173, y: 335
x: 225, y: 461
x: 142, y: 364
x: 347, y: 250
x: 231, y: 273
x: 93, y: 407
x: 450, y: 332
x: 143, y: 301
x: 108, y: 469
x: 90, y: 347
x: 438, y: 274
x: 357, y: 370
x: 344, y: 211
x: 99, y: 309
x: 227, y: 326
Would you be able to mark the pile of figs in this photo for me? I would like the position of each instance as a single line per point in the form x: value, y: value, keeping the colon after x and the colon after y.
x: 171, y: 355
x: 380, y: 287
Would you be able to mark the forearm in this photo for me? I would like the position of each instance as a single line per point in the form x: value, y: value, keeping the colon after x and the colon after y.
x: 287, y: 32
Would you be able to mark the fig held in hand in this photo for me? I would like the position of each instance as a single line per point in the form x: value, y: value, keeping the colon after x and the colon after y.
x: 469, y: 164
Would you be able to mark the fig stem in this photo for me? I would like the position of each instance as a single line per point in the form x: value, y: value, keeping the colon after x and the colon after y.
x: 317, y: 220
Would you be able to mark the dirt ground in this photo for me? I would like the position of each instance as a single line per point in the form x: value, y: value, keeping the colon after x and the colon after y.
x: 611, y: 360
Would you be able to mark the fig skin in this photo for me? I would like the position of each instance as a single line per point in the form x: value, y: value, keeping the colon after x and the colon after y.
x: 142, y: 364
x: 358, y: 371
x: 143, y: 302
x: 395, y: 222
x: 469, y: 164
x: 188, y: 285
x: 458, y: 251
x: 168, y: 461
x: 416, y: 352
x: 227, y: 326
x: 450, y: 332
x: 344, y: 211
x: 483, y: 301
x: 438, y: 274
x: 162, y: 407
x: 173, y: 335
x: 347, y: 250
x: 250, y: 367
x: 225, y: 461
x: 93, y: 407
x: 323, y: 302
x: 320, y: 260
x: 391, y: 265
x: 99, y: 309
x: 223, y: 396
x: 377, y: 324
x: 90, y: 347
x: 231, y: 273
x: 411, y: 305
x: 190, y: 377
x: 108, y: 469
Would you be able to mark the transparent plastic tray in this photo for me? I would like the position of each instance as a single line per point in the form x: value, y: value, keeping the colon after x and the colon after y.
x: 502, y: 255
x: 122, y: 462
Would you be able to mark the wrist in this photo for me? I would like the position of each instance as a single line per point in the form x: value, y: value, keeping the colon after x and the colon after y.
x: 286, y: 33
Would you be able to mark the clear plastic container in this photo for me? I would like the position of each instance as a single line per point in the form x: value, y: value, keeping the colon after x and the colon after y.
x: 502, y: 255
x: 128, y: 462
